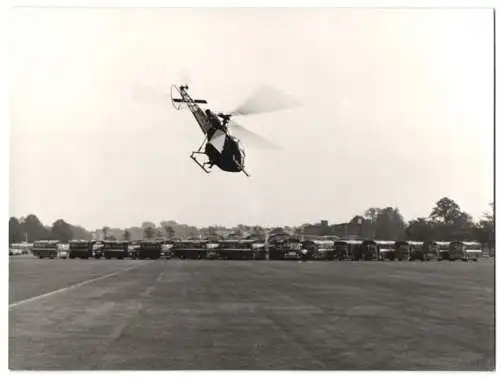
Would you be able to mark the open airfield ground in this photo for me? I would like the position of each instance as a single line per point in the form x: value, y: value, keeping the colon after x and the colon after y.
x: 202, y: 314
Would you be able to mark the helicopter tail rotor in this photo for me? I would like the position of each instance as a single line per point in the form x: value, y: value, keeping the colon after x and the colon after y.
x: 176, y: 101
x: 184, y: 98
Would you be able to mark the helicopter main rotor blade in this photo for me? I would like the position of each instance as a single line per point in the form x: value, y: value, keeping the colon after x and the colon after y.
x: 266, y: 99
x: 250, y: 138
x: 149, y: 94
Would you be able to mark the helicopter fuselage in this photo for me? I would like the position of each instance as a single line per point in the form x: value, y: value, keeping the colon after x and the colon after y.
x: 222, y: 149
x: 230, y: 158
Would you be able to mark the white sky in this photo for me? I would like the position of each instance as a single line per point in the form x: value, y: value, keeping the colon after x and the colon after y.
x: 398, y: 111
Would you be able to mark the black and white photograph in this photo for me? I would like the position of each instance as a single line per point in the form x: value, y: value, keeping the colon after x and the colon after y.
x: 251, y: 188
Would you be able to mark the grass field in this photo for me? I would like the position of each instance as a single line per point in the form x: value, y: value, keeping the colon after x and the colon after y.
x: 171, y: 314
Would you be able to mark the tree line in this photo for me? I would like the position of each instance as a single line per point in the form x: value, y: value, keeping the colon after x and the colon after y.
x: 446, y: 221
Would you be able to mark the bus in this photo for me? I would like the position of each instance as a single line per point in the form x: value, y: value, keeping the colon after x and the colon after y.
x: 369, y: 250
x: 148, y: 250
x: 386, y: 249
x: 212, y: 250
x: 430, y: 250
x: 115, y: 249
x: 284, y: 247
x: 443, y: 250
x: 82, y: 249
x: 474, y: 250
x: 236, y: 249
x: 347, y: 249
x: 45, y: 248
x: 319, y: 249
x: 259, y: 250
x: 409, y: 250
x: 465, y: 251
x: 19, y: 249
x: 190, y: 249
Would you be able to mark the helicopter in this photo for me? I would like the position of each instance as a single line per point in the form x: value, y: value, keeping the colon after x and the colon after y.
x: 220, y: 146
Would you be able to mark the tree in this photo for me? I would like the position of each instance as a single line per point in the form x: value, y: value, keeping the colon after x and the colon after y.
x: 147, y: 224
x: 111, y: 237
x: 450, y: 222
x: 372, y: 213
x: 158, y: 232
x: 420, y: 229
x: 258, y: 233
x: 105, y: 232
x: 170, y: 232
x: 126, y: 235
x: 277, y: 230
x: 445, y: 211
x: 80, y: 233
x: 211, y: 233
x: 61, y: 231
x: 463, y: 227
x: 149, y: 233
x: 14, y: 231
x: 390, y: 225
x: 34, y: 228
x: 484, y: 230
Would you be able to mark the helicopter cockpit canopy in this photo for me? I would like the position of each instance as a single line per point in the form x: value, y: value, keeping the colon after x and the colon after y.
x: 241, y: 147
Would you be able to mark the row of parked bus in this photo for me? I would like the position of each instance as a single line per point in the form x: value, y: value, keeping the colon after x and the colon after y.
x: 278, y: 247
x: 84, y: 249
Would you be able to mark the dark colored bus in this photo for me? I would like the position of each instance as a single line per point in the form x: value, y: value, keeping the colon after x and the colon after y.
x: 235, y: 249
x: 369, y: 250
x: 443, y: 250
x: 259, y: 250
x: 115, y: 249
x: 148, y: 250
x: 190, y: 249
x: 386, y: 249
x: 45, y: 248
x: 430, y: 250
x: 347, y: 249
x: 284, y: 247
x: 82, y: 249
x: 320, y: 249
x: 465, y: 251
x: 410, y: 250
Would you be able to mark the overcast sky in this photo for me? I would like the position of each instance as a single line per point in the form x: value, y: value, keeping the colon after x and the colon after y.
x: 397, y: 111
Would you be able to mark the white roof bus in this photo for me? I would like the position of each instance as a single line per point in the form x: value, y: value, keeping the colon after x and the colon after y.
x: 410, y: 250
x: 45, y: 248
x: 347, y: 249
x: 385, y: 249
x: 465, y: 251
x: 443, y: 250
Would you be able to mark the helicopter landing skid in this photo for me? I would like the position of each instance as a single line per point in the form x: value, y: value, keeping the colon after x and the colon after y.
x: 240, y: 167
x: 201, y: 165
